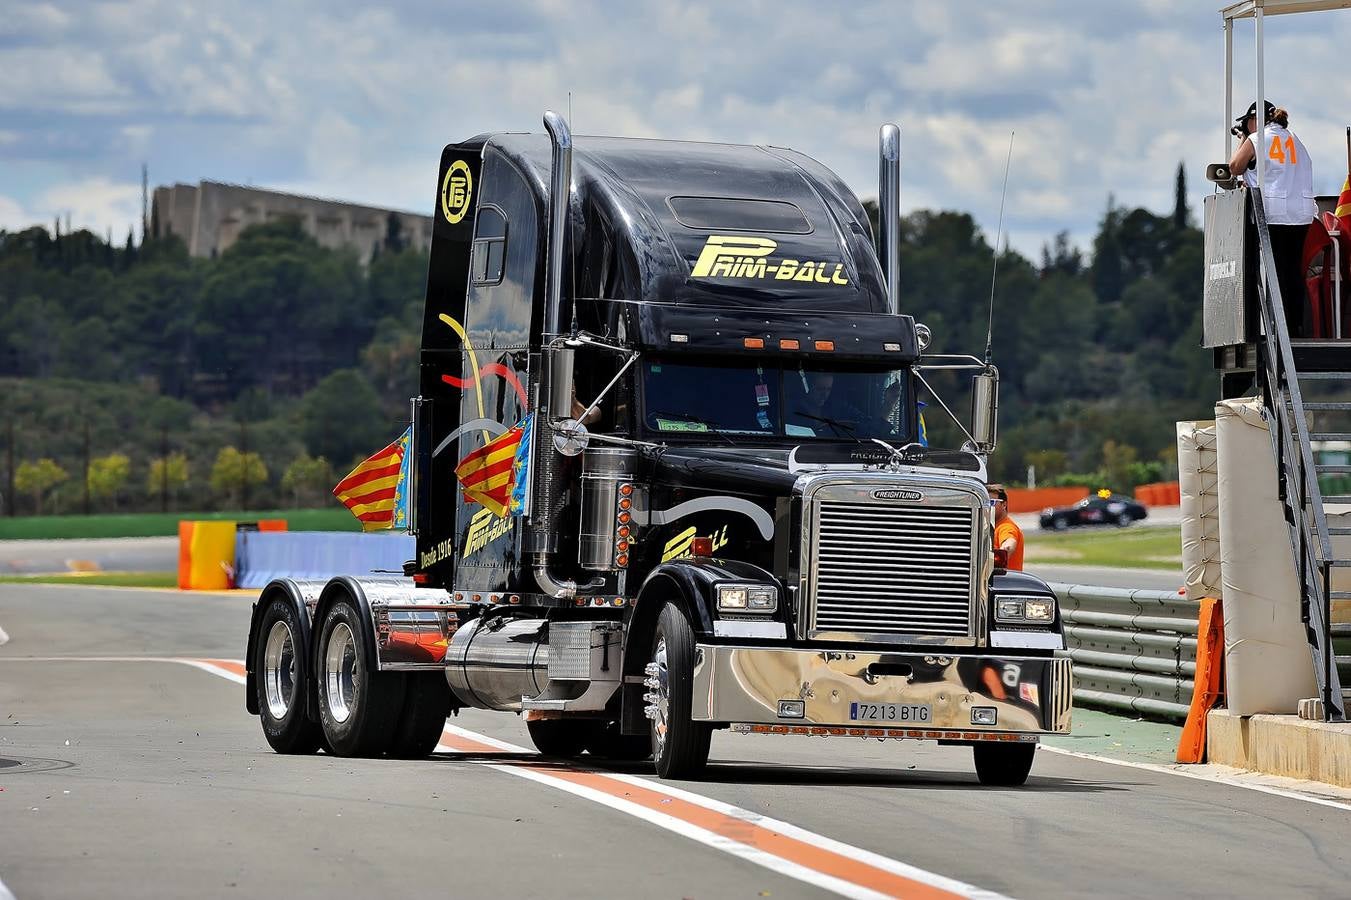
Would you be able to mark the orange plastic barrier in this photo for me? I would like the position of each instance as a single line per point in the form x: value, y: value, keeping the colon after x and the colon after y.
x: 1209, y: 683
x: 1163, y: 493
x: 1023, y: 500
x: 206, y: 556
x: 272, y: 525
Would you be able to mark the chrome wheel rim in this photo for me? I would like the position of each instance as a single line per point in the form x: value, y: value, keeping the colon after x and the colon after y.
x: 279, y: 670
x: 340, y: 664
x: 661, y: 700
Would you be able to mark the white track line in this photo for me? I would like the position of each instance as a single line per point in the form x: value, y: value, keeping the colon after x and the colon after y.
x: 5, y: 892
x: 4, y: 638
x: 1214, y: 777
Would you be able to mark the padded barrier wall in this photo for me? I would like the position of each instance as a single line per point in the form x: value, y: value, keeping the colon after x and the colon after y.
x: 262, y: 556
x: 1198, y: 477
x: 1268, y: 666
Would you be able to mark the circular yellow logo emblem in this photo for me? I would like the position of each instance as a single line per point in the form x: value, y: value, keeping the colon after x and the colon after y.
x: 456, y: 190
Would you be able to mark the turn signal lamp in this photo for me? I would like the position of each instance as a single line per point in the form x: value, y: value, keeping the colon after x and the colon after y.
x: 1001, y: 559
x: 701, y: 546
x: 825, y: 345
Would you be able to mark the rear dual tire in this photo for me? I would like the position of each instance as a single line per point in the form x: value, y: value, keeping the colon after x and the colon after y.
x: 282, y: 681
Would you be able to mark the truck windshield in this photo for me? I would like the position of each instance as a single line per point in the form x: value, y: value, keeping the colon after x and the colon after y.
x: 777, y: 399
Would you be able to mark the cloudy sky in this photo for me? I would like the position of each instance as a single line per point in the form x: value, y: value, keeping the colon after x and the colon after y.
x: 354, y: 100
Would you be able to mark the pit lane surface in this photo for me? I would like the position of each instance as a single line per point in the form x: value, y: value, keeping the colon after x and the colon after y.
x: 133, y: 777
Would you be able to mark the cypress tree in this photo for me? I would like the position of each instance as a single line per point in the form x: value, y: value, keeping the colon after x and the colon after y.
x: 1180, y: 212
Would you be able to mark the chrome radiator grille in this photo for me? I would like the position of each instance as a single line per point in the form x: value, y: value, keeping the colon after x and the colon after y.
x: 884, y: 568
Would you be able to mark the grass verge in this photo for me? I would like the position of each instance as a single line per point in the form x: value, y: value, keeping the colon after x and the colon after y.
x: 1135, y: 547
x: 103, y: 579
x: 164, y: 524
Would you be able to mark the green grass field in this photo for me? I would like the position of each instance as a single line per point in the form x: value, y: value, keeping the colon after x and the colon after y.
x: 164, y: 524
x: 103, y: 579
x: 1136, y: 547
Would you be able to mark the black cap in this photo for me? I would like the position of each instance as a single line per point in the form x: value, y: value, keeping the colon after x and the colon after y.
x: 1269, y: 108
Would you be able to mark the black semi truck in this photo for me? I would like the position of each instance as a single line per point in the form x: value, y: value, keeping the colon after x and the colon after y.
x: 668, y: 477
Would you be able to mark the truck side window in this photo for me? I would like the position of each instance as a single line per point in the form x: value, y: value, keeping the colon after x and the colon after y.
x: 490, y: 245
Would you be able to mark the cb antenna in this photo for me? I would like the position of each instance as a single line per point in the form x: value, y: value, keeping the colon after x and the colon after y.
x: 998, y: 236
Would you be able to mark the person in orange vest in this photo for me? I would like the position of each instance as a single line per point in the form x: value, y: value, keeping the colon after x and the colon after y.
x: 1007, y: 535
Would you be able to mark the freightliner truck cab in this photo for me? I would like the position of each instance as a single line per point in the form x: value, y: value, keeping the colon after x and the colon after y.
x: 668, y: 478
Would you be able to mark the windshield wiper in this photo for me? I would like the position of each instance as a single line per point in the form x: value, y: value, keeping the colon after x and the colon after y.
x: 694, y: 419
x: 842, y: 428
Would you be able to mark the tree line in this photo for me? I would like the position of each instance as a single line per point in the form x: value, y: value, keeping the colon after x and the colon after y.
x: 132, y: 369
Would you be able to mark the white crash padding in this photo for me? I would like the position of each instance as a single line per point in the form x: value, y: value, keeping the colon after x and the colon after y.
x: 1198, y: 478
x: 1268, y: 667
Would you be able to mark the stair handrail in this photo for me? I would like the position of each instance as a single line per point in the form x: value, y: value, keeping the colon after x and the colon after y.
x: 1312, y: 546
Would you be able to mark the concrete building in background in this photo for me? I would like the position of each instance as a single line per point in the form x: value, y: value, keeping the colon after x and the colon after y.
x: 210, y: 216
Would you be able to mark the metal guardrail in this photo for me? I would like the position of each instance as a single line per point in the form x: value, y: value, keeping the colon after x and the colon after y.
x: 1133, y: 650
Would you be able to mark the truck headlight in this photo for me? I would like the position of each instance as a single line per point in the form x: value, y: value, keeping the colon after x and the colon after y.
x: 757, y: 598
x: 1025, y: 609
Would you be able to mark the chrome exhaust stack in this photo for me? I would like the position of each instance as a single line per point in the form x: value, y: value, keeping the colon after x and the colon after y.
x: 554, y: 402
x: 889, y: 212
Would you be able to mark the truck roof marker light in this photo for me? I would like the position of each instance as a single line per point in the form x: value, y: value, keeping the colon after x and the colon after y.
x: 701, y: 546
x: 826, y: 346
x: 754, y: 343
x: 680, y: 338
x: 891, y: 347
x: 789, y: 344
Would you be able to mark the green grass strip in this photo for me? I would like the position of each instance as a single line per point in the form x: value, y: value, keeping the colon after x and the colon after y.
x: 164, y: 524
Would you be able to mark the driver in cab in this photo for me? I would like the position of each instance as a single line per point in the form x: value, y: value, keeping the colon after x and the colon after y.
x: 829, y: 406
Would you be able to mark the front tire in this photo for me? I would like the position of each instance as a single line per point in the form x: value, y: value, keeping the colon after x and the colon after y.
x: 283, y: 682
x: 1124, y: 519
x: 1004, y: 765
x: 679, y: 744
x: 358, y: 708
x: 1061, y: 524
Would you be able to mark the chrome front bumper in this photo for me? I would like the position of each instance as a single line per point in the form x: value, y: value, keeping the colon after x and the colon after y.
x: 743, y: 686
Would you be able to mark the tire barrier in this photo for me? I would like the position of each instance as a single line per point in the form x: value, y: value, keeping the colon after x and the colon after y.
x: 1133, y: 650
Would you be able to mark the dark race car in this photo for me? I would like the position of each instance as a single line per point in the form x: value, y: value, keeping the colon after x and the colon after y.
x: 1113, y: 509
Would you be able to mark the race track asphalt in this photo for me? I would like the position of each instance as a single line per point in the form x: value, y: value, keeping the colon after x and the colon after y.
x: 126, y: 774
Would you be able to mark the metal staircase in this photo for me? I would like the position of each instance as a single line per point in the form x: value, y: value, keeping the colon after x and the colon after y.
x: 1285, y: 370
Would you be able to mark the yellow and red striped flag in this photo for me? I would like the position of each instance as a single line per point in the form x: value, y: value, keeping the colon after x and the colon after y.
x: 369, y: 490
x: 487, y: 475
x: 1343, y: 211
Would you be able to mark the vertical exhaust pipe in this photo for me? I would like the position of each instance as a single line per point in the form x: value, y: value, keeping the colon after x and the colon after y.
x: 889, y: 212
x: 555, y: 400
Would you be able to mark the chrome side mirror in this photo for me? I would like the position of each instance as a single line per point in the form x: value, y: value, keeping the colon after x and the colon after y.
x: 561, y: 388
x: 985, y: 410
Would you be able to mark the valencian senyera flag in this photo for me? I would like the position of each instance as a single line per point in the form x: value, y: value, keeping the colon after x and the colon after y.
x: 373, y: 489
x: 1343, y: 210
x: 488, y: 474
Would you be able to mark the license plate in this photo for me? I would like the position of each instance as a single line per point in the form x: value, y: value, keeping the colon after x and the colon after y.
x: 891, y: 712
